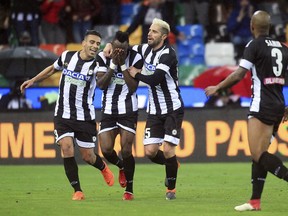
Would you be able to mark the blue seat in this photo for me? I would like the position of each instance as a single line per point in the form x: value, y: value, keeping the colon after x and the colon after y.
x: 127, y: 9
x: 197, y: 60
x: 183, y: 49
x: 197, y: 49
x: 191, y: 31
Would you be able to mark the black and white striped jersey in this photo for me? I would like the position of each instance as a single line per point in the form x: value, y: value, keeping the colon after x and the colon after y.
x: 117, y: 99
x: 268, y: 60
x: 77, y: 87
x: 164, y: 97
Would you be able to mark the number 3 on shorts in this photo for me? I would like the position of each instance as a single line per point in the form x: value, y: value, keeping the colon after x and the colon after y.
x: 147, y: 133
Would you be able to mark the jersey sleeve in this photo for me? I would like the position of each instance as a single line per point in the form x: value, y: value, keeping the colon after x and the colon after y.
x: 249, y: 55
x: 101, y: 59
x: 138, y: 61
x: 59, y: 63
x: 167, y: 61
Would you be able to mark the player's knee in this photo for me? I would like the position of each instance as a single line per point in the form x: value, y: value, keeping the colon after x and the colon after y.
x: 106, y: 151
x: 150, y: 153
x: 126, y: 152
x: 88, y: 158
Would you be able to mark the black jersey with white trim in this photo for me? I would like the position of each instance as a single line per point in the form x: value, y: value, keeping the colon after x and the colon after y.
x: 117, y: 99
x: 267, y: 59
x: 76, y: 87
x: 165, y: 97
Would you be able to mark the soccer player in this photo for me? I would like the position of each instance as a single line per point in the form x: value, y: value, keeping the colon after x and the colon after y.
x: 74, y: 117
x: 165, y: 109
x: 119, y: 107
x: 268, y: 60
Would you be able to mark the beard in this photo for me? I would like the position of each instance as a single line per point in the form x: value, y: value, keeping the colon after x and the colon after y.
x: 154, y: 43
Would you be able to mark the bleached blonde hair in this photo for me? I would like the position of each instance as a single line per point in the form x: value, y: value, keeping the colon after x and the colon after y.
x: 165, y: 27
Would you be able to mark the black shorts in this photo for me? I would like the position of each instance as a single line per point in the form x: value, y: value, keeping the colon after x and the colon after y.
x: 268, y: 119
x: 84, y: 132
x: 165, y: 127
x: 125, y: 121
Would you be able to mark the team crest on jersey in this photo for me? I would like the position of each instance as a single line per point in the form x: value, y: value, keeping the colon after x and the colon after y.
x: 94, y: 138
x: 90, y: 72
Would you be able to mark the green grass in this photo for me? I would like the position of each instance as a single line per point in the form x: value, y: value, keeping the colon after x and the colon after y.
x: 202, y: 189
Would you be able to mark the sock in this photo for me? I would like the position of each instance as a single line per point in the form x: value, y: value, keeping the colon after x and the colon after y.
x: 129, y: 169
x: 114, y: 159
x: 71, y: 170
x: 159, y: 158
x: 274, y: 165
x: 99, y: 164
x: 171, y: 166
x: 258, y: 180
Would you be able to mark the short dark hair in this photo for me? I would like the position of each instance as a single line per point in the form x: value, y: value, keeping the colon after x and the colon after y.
x: 92, y: 32
x: 121, y: 37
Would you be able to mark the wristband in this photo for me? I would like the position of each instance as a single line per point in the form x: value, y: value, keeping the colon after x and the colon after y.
x: 112, y: 66
x: 123, y: 67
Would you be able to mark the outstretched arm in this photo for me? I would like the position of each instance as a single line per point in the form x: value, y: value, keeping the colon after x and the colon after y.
x: 231, y: 80
x: 48, y: 71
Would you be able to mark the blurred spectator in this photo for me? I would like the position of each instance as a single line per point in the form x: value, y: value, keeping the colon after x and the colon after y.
x: 223, y: 99
x: 278, y: 12
x: 196, y: 12
x: 25, y: 16
x: 149, y: 10
x: 82, y: 13
x: 239, y: 25
x: 4, y: 21
x: 14, y: 99
x: 218, y: 15
x: 25, y: 39
x: 110, y: 7
x: 52, y: 30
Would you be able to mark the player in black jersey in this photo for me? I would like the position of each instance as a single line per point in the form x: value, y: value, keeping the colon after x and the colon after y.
x: 119, y: 107
x: 268, y: 61
x: 74, y: 117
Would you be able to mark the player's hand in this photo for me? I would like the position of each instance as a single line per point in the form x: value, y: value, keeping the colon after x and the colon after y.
x: 211, y: 90
x: 25, y: 85
x: 118, y: 56
x: 285, y: 117
x: 108, y: 50
x: 133, y: 71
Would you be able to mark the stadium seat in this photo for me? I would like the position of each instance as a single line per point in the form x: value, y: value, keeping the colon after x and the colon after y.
x: 74, y: 46
x: 128, y: 11
x: 191, y: 31
x: 197, y: 49
x: 188, y: 72
x: 219, y: 54
x: 55, y: 48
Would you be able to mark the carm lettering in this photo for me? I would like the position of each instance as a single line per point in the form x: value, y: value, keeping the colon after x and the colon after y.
x: 236, y: 138
x: 36, y: 140
x: 18, y: 142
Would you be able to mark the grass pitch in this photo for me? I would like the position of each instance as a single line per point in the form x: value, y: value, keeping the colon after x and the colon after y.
x: 202, y: 189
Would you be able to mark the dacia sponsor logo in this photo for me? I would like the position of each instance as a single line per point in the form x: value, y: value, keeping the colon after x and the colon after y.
x: 149, y: 68
x: 76, y: 75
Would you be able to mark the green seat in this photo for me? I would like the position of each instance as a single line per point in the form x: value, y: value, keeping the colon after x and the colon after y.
x: 188, y: 72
